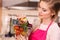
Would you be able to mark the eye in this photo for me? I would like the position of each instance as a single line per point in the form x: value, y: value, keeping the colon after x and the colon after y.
x: 44, y: 10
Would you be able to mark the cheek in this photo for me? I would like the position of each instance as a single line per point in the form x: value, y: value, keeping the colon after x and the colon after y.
x: 45, y: 15
x: 41, y: 12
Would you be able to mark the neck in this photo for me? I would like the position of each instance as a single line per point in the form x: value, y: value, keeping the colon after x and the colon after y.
x: 46, y: 21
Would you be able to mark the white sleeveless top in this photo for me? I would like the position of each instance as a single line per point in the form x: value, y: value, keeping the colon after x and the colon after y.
x: 53, y: 32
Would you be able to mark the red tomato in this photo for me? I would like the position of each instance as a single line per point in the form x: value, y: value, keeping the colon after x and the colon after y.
x: 16, y: 27
x: 17, y: 32
x: 21, y: 29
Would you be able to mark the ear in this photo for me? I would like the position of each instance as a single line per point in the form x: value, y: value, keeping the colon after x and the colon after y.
x: 53, y: 13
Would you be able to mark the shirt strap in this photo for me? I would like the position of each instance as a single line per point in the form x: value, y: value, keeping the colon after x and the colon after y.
x: 50, y: 25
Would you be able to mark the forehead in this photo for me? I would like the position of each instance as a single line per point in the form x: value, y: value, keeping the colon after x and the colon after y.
x: 44, y: 5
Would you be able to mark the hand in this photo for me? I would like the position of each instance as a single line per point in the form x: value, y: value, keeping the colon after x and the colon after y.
x: 20, y: 37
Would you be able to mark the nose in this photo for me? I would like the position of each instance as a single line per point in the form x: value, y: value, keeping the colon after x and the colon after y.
x: 40, y: 11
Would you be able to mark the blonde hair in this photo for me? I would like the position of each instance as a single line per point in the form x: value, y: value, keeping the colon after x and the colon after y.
x: 54, y: 6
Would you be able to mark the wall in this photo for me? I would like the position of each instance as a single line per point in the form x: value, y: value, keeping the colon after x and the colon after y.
x: 12, y: 2
x: 21, y: 13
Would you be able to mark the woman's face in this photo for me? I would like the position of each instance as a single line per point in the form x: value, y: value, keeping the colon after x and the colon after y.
x: 44, y: 10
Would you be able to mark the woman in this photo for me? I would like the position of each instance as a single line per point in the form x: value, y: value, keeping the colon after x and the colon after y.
x: 48, y: 29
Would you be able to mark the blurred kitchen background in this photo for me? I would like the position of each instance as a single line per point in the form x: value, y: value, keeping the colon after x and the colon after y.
x: 24, y: 7
x: 20, y: 8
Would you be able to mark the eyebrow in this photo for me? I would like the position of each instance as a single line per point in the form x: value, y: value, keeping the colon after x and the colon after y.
x: 40, y: 7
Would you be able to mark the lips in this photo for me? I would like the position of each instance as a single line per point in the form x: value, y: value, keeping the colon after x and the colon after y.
x: 40, y: 14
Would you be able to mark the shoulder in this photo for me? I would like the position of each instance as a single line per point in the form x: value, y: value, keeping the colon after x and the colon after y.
x: 53, y: 32
x: 54, y: 28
